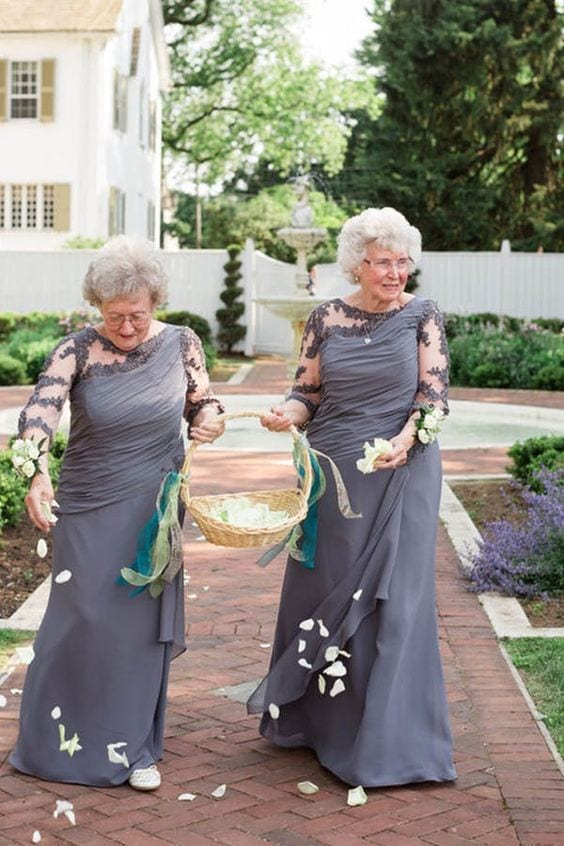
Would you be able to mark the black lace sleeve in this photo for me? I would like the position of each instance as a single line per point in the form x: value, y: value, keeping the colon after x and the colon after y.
x: 433, y: 359
x: 198, y: 392
x: 307, y: 382
x: 42, y: 412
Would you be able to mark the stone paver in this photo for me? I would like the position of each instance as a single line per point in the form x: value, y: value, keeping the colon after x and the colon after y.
x: 509, y: 791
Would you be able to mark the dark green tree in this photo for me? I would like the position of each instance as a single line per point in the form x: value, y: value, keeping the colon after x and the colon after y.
x: 231, y: 331
x: 467, y: 145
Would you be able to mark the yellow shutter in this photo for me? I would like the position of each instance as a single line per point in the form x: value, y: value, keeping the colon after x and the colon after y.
x: 48, y: 89
x: 3, y: 89
x: 112, y: 212
x: 61, y: 222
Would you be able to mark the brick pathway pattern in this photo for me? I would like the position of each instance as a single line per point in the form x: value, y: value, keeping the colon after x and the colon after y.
x: 509, y: 790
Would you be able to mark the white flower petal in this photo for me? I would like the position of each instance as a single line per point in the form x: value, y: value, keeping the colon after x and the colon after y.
x: 274, y: 711
x: 219, y: 792
x: 307, y: 625
x: 3, y: 701
x: 186, y: 797
x: 301, y: 645
x: 16, y: 691
x: 70, y: 817
x: 206, y: 587
x: 337, y: 668
x: 192, y: 596
x: 357, y: 796
x: 62, y: 806
x: 357, y: 594
x: 303, y: 663
x: 321, y: 683
x: 337, y: 688
x: 265, y: 645
x: 71, y: 745
x: 308, y: 788
x: 63, y: 576
x: 331, y: 653
x: 346, y: 654
x: 41, y: 547
x: 36, y: 837
x: 117, y: 757
x: 323, y: 630
x: 56, y: 712
x: 46, y: 509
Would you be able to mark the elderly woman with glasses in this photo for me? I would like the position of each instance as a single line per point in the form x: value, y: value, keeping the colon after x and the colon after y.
x: 355, y: 672
x: 93, y: 706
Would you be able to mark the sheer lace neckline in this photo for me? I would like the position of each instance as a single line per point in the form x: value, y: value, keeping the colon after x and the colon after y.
x: 376, y: 315
x: 142, y: 347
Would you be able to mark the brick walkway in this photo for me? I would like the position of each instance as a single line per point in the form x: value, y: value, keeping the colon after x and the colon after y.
x: 509, y: 790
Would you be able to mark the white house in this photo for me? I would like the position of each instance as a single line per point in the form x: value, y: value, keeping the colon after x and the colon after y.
x: 80, y: 120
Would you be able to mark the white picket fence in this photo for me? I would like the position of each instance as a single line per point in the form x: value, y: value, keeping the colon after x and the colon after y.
x: 520, y: 284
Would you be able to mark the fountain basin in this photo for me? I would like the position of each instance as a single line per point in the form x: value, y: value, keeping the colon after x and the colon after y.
x: 296, y: 309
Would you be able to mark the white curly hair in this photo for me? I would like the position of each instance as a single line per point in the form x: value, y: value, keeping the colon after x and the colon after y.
x: 123, y: 269
x: 386, y: 228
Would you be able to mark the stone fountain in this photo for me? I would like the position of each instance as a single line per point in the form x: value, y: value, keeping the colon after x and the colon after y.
x: 302, y: 236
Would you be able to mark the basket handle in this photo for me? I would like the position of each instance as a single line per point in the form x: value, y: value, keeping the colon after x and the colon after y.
x: 292, y: 430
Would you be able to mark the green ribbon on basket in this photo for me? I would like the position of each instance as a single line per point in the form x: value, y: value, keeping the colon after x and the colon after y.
x: 301, y: 542
x: 159, y: 545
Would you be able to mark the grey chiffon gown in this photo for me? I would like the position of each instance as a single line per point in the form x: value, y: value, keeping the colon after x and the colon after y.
x: 379, y: 716
x: 99, y: 675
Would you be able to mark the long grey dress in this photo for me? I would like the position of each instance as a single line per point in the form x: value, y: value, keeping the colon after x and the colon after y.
x: 101, y: 656
x: 371, y: 594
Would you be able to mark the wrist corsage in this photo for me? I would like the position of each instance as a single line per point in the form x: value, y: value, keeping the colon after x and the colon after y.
x: 26, y: 454
x: 428, y: 424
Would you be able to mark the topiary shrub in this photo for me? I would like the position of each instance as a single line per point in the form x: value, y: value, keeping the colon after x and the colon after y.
x: 530, y: 456
x: 231, y: 331
x: 12, y: 370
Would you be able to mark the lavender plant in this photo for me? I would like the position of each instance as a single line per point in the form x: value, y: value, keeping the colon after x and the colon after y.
x: 526, y: 558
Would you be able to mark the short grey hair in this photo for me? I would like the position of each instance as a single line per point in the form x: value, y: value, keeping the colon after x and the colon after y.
x: 123, y: 269
x: 386, y: 228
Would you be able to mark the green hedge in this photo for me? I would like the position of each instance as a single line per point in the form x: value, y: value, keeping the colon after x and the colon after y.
x: 533, y: 454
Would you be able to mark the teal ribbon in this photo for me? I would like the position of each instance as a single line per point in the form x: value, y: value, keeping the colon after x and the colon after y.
x: 301, y: 542
x: 159, y: 555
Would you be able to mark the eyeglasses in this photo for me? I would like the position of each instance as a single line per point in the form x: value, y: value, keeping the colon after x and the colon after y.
x: 385, y: 265
x: 137, y: 319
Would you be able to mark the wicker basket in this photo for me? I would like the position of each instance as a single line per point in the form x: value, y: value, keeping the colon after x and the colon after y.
x: 293, y: 501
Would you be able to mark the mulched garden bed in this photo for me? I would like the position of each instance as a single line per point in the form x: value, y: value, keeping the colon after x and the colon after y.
x: 487, y: 501
x: 21, y: 569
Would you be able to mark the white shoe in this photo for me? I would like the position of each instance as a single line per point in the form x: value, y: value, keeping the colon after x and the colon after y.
x: 148, y: 778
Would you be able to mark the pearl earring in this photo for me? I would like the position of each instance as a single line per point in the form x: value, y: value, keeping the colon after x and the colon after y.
x: 356, y: 279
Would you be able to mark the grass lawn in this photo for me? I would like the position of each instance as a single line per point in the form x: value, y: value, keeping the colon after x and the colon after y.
x: 9, y: 639
x: 541, y: 663
x: 226, y: 366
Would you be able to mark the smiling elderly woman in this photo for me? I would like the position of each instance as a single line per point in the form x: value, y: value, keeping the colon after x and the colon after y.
x: 101, y: 657
x: 367, y: 695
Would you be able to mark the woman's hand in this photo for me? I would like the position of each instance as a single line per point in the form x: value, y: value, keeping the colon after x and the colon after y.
x: 206, y: 428
x: 38, y: 501
x: 277, y: 420
x: 401, y: 445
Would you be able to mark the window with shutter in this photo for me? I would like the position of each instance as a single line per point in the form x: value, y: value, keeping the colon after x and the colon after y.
x: 135, y: 42
x: 24, y: 90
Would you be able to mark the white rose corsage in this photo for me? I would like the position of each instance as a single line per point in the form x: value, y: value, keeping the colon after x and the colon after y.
x: 26, y: 453
x: 428, y: 424
x: 371, y: 453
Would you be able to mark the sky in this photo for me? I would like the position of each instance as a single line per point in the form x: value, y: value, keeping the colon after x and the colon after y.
x: 332, y: 29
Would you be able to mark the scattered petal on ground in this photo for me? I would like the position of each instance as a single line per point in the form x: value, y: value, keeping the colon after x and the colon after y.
x: 265, y: 645
x: 357, y: 594
x: 308, y: 788
x: 3, y: 701
x: 307, y: 625
x: 41, y: 547
x: 357, y: 796
x: 301, y: 645
x: 206, y: 587
x: 66, y: 808
x: 36, y: 837
x: 323, y: 630
x: 219, y: 792
x: 192, y: 596
x: 186, y: 797
x: 303, y: 663
x: 56, y: 712
x: 63, y: 577
x: 16, y: 691
x: 274, y: 711
x: 117, y: 757
x: 321, y: 683
x: 331, y: 653
x: 337, y: 668
x: 337, y: 688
